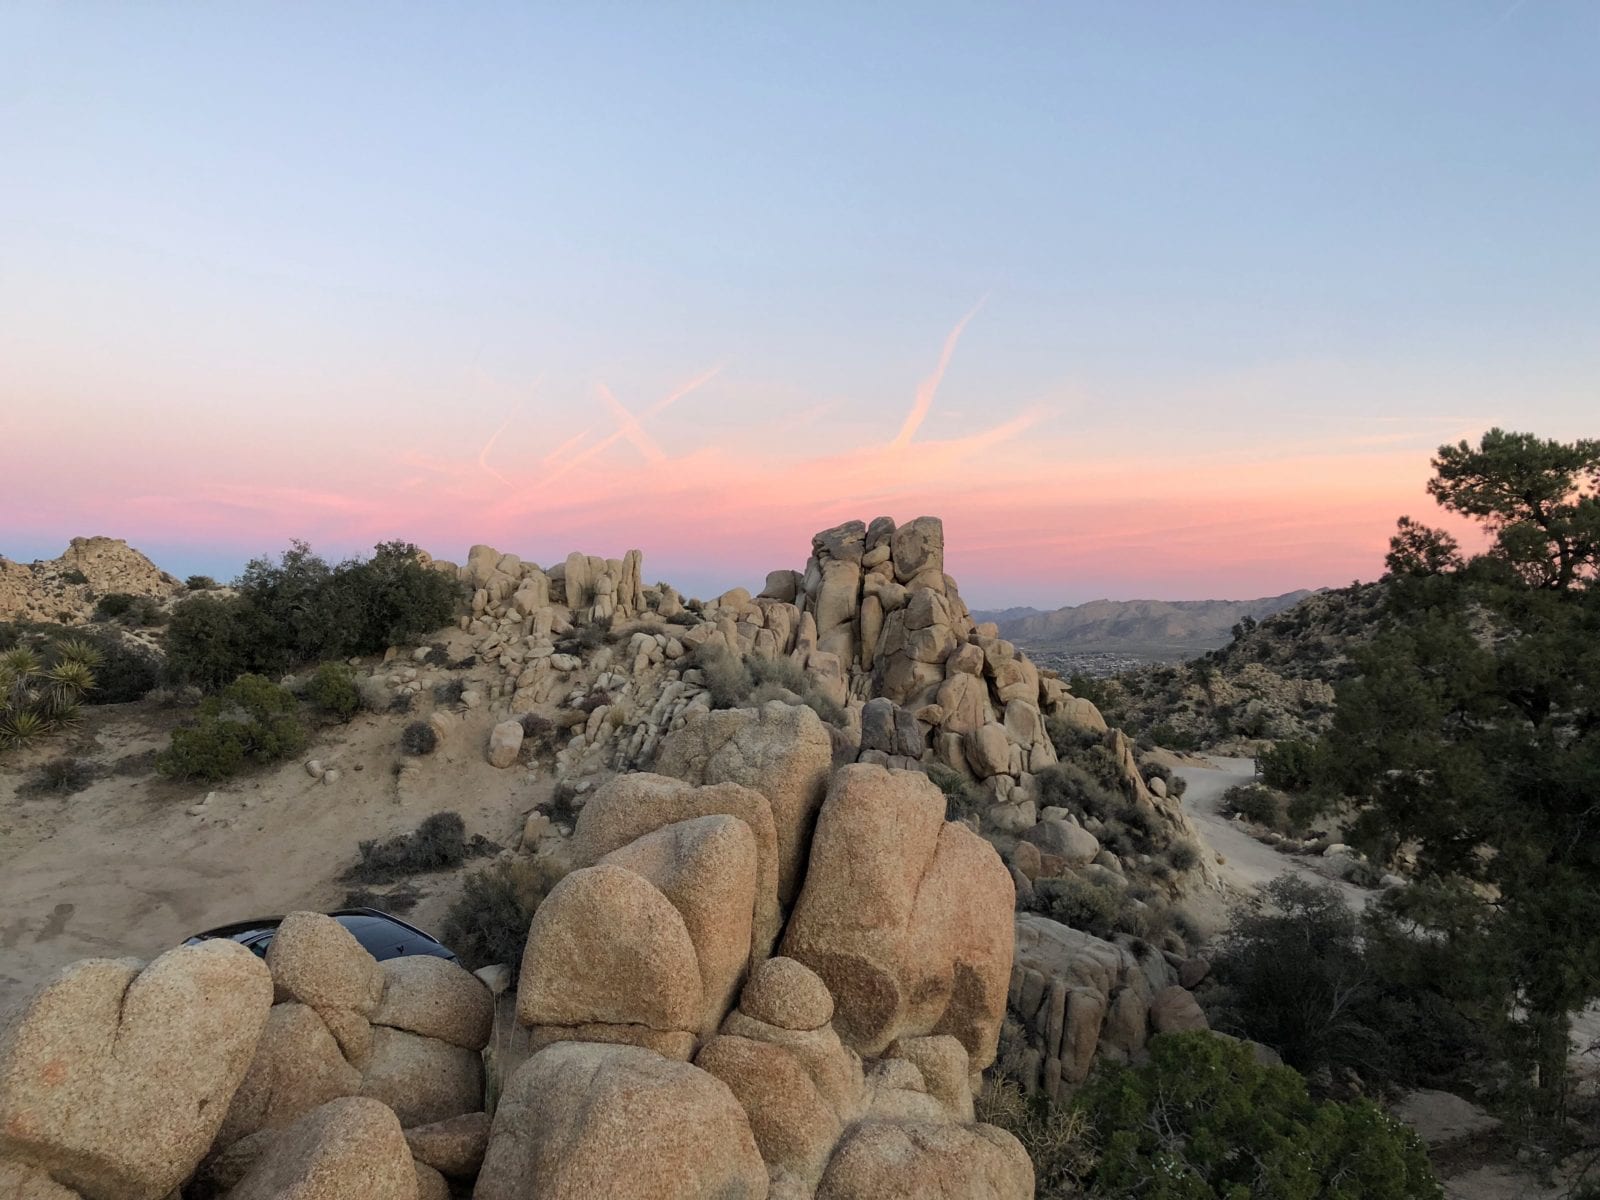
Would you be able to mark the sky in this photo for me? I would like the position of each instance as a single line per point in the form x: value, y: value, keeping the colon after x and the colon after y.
x: 1168, y: 300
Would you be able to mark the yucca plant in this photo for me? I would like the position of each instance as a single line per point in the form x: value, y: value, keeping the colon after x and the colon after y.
x: 37, y: 699
x: 19, y: 727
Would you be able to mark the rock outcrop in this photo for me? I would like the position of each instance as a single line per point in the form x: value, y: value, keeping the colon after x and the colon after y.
x: 65, y: 589
x: 115, y: 1078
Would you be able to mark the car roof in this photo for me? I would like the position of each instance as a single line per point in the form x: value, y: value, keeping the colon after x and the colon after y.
x: 381, y: 934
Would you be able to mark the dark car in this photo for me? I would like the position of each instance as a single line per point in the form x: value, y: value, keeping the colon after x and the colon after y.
x: 383, y: 936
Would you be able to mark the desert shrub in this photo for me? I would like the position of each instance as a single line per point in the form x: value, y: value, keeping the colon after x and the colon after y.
x: 831, y: 712
x: 1328, y: 989
x: 252, y: 720
x: 488, y: 922
x: 75, y: 577
x: 724, y: 676
x: 399, y: 900
x: 437, y: 844
x: 333, y: 690
x: 437, y: 656
x: 1183, y: 855
x: 594, y: 700
x: 200, y: 583
x: 1289, y: 766
x: 298, y: 609
x: 59, y: 777
x: 1054, y: 1136
x: 1165, y: 735
x: 1067, y: 785
x: 1091, y: 907
x: 1202, y: 1120
x: 449, y: 692
x: 123, y: 670
x: 962, y: 797
x: 683, y: 617
x: 112, y: 605
x: 209, y: 641
x: 419, y: 738
x: 401, y: 703
x: 780, y: 671
x: 1259, y: 804
x: 540, y: 735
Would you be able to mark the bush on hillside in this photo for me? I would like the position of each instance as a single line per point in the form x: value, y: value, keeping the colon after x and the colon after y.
x: 1202, y: 1120
x: 253, y: 720
x: 1328, y: 991
x: 488, y: 923
x: 734, y: 682
x: 1290, y: 766
x: 200, y: 583
x: 1257, y: 804
x: 437, y: 844
x: 299, y: 609
x: 333, y: 690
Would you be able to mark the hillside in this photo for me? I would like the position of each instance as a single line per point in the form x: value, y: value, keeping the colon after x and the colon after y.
x: 1275, y: 679
x: 65, y: 589
x: 1151, y: 630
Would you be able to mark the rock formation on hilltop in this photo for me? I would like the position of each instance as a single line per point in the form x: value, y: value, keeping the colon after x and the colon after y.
x: 780, y: 953
x: 63, y: 590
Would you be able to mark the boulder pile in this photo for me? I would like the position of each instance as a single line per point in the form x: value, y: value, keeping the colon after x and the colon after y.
x: 316, y: 1074
x: 764, y: 977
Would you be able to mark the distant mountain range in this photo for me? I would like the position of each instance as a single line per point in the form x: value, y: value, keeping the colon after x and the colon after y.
x: 1155, y: 629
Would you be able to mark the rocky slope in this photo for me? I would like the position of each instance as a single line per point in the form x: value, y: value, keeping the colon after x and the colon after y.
x: 778, y: 959
x: 1274, y: 680
x: 63, y: 590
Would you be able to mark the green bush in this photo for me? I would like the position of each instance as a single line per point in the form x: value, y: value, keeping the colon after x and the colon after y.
x: 333, y: 690
x: 252, y: 720
x: 1202, y: 1120
x: 1259, y: 804
x: 200, y: 583
x: 488, y: 922
x: 1327, y: 989
x: 1075, y: 902
x: 300, y: 609
x: 75, y: 577
x: 1290, y: 766
x: 1165, y: 735
x: 112, y: 605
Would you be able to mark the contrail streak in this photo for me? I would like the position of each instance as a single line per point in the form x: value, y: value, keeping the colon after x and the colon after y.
x: 930, y: 386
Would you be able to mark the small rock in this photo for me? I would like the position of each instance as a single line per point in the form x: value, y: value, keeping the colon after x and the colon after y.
x: 331, y: 775
x: 496, y: 977
x: 314, y: 768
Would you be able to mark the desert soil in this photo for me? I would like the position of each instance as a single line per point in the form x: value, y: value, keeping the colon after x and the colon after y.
x: 122, y: 869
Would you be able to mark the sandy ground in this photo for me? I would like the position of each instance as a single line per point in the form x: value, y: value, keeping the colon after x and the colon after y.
x: 121, y: 868
x: 1246, y: 863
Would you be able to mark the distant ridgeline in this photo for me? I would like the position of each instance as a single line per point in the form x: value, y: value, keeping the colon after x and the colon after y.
x: 1106, y: 637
